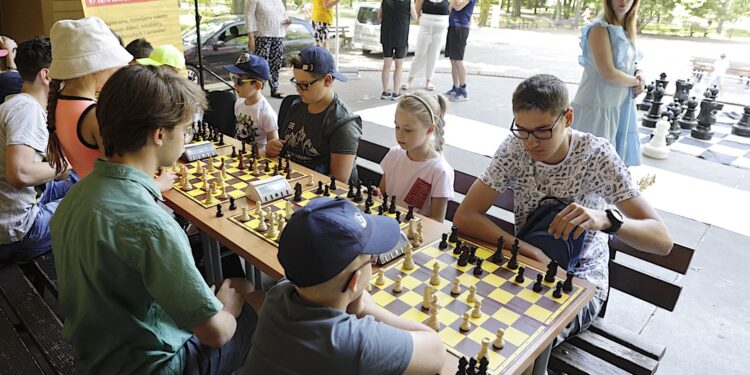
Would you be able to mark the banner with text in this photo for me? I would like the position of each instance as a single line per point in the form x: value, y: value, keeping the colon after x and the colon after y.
x: 157, y: 21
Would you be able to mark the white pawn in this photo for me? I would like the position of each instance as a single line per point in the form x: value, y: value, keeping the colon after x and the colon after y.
x: 433, y: 321
x: 427, y: 297
x: 272, y: 231
x: 483, y: 350
x: 465, y: 323
x: 397, y: 285
x: 499, y: 342
x: 435, y: 279
x: 289, y: 209
x: 657, y: 148
x: 476, y: 312
x: 456, y: 289
x: 245, y: 216
x: 281, y: 224
x: 380, y: 281
x: 310, y: 180
x: 408, y: 261
x: 412, y: 230
x: 472, y: 297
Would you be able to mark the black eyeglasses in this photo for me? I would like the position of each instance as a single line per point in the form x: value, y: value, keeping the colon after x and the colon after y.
x: 538, y: 134
x: 305, y: 86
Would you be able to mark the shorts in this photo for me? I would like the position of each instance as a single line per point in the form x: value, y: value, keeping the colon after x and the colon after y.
x: 455, y: 44
x: 321, y: 31
x: 395, y: 52
x: 204, y: 360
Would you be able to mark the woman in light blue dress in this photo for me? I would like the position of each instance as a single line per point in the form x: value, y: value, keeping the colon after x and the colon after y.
x: 604, y: 104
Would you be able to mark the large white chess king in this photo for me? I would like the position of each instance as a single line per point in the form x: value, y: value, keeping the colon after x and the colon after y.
x: 657, y: 147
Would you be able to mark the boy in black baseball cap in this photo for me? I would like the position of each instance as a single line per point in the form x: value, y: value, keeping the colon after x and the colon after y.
x: 317, y: 129
x: 321, y: 319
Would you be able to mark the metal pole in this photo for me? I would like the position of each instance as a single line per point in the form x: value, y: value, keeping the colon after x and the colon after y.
x: 338, y: 36
x: 198, y: 45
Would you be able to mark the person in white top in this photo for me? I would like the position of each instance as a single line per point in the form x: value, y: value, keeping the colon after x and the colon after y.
x: 253, y: 111
x: 720, y: 70
x: 415, y: 171
x: 266, y: 22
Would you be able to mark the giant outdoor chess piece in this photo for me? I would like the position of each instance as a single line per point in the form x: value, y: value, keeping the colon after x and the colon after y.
x: 652, y: 117
x: 688, y: 119
x: 674, y: 130
x: 645, y: 105
x: 682, y: 90
x: 742, y: 127
x: 662, y: 81
x: 706, y: 117
x: 657, y: 148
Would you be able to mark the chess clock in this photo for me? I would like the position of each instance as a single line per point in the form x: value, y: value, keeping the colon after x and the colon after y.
x: 395, y: 252
x: 198, y: 151
x: 269, y: 189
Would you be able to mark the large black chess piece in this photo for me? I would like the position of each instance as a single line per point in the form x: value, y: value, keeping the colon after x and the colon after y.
x: 687, y: 121
x: 742, y: 127
x: 682, y: 91
x: 662, y: 81
x: 653, y: 115
x: 706, y: 117
x: 645, y: 105
x: 714, y: 92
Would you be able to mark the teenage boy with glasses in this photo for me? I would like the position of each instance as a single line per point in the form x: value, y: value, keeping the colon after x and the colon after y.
x: 316, y: 128
x: 253, y: 111
x: 545, y: 158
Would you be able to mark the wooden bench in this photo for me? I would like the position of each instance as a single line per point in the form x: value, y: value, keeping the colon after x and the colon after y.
x: 31, y: 341
x: 604, y: 348
x: 705, y: 64
x: 341, y: 32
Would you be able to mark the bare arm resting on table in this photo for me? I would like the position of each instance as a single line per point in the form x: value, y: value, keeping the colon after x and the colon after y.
x: 341, y: 166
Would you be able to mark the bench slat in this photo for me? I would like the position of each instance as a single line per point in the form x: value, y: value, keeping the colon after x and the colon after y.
x: 41, y: 322
x: 15, y: 357
x: 649, y: 288
x: 678, y: 259
x: 371, y: 151
x: 615, y: 353
x: 575, y: 361
x: 628, y: 339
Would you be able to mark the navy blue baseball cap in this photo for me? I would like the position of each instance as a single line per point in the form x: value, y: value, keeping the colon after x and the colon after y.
x: 252, y: 65
x: 317, y: 59
x: 324, y: 237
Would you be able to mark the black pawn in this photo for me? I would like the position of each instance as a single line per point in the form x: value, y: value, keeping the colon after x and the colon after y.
x: 483, y: 364
x: 462, y: 363
x: 519, y: 276
x: 538, y: 284
x: 513, y: 262
x: 463, y: 259
x: 232, y: 205
x: 297, y: 192
x: 478, y: 267
x: 320, y: 188
x: 234, y: 152
x: 369, y: 196
x: 267, y: 167
x: 398, y: 216
x: 558, y: 290
x: 221, y: 139
x: 472, y: 367
x: 410, y: 213
x: 276, y: 170
x: 454, y: 234
x: 381, y: 210
x: 289, y: 175
x: 350, y: 193
x: 219, y: 213
x: 333, y: 183
x: 551, y: 272
x: 385, y: 199
x: 444, y: 242
x: 392, y: 206
x: 497, y: 256
x: 288, y: 167
x: 457, y: 248
x: 358, y: 194
x: 472, y: 254
x: 326, y: 192
x: 568, y: 284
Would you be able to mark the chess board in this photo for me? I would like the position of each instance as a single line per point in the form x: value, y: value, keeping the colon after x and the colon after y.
x: 307, y: 196
x: 216, y: 145
x: 235, y: 181
x: 522, y: 313
x: 724, y: 147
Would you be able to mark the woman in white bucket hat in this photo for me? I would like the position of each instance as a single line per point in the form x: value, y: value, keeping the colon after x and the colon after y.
x: 85, y: 53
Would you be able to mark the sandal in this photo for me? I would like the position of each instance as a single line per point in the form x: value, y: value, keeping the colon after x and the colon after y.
x: 429, y: 87
x: 404, y: 87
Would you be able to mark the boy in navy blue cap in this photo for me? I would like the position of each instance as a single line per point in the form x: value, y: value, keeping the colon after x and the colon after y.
x: 317, y: 129
x: 321, y: 319
x: 252, y: 110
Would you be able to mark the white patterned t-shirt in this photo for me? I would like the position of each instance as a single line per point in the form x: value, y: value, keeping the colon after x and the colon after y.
x: 591, y: 175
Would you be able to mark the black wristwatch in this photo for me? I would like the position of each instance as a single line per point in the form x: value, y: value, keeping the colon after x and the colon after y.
x: 616, y: 218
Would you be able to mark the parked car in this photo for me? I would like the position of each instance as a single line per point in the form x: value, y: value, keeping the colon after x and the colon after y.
x: 367, y: 30
x: 224, y: 37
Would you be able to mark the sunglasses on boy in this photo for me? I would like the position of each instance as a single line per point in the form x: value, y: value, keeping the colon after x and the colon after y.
x: 304, y: 86
x: 240, y: 81
x: 521, y: 133
x: 373, y: 260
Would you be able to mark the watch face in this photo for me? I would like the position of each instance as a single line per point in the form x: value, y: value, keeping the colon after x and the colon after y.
x: 618, y: 215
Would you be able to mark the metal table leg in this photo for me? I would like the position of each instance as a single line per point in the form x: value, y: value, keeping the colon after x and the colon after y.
x: 212, y: 260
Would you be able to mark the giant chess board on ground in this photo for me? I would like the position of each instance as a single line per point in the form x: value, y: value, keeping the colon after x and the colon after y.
x: 522, y: 313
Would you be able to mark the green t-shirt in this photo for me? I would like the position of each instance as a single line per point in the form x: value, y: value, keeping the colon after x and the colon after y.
x: 128, y: 286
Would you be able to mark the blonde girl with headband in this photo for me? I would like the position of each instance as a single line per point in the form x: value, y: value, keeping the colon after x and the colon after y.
x: 415, y: 171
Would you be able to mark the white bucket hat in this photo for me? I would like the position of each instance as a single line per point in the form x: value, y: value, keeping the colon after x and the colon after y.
x: 85, y: 46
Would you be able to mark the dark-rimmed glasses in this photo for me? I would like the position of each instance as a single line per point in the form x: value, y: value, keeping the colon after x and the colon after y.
x: 304, y: 86
x: 521, y: 133
x: 373, y: 260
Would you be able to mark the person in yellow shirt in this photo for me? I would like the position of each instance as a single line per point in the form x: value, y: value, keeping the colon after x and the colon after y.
x: 322, y: 19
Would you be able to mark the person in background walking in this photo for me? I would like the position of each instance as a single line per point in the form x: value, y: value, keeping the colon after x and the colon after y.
x: 433, y: 26
x: 394, y: 36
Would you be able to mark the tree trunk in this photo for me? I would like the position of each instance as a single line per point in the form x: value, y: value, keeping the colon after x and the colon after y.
x: 516, y: 8
x: 484, y: 12
x: 238, y: 6
x: 556, y: 15
x: 578, y: 14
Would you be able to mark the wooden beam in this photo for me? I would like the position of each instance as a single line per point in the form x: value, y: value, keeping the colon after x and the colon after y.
x: 615, y: 353
x: 678, y: 259
x: 649, y: 288
x: 628, y: 339
x: 575, y: 361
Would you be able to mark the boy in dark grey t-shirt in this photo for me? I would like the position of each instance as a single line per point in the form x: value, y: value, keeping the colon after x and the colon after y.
x: 322, y: 320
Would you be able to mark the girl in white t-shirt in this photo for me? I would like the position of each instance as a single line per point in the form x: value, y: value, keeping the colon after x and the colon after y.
x: 415, y: 171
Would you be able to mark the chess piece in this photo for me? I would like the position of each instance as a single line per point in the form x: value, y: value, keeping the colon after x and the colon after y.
x: 398, y: 216
x: 538, y: 284
x: 234, y: 152
x: 742, y: 127
x: 262, y: 225
x: 462, y: 363
x: 408, y: 261
x: 397, y: 285
x: 463, y: 259
x: 204, y: 181
x: 288, y: 210
x: 652, y: 117
x: 476, y: 312
x: 350, y: 193
x: 211, y: 167
x: 456, y: 288
x: 244, y: 150
x: 369, y: 201
x: 411, y: 231
x: 358, y: 194
x: 273, y: 231
x: 281, y: 225
x: 687, y: 121
x: 472, y: 254
x: 435, y: 279
x: 657, y: 148
x: 223, y: 195
x: 457, y: 248
x: 465, y: 323
x: 558, y: 290
x: 645, y: 105
x: 381, y: 209
x: 219, y: 212
x: 444, y: 242
x: 288, y: 167
x: 674, y: 128
x: 288, y: 175
x: 454, y: 234
x: 186, y: 185
x: 380, y: 281
x: 519, y: 276
x: 367, y: 209
x: 427, y: 297
x: 497, y: 256
x: 483, y: 364
x: 276, y: 169
x: 392, y: 206
x: 706, y: 117
x: 472, y: 297
x: 551, y: 272
x: 333, y: 183
x: 433, y: 322
x: 410, y: 213
x: 244, y: 216
x: 513, y: 262
x: 483, y: 350
x: 213, y: 188
x: 267, y: 167
x: 499, y: 343
x: 221, y: 139
x: 682, y: 90
x: 478, y: 268
x: 662, y: 81
x: 568, y: 284
x: 209, y: 200
x: 297, y: 192
x: 310, y: 180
